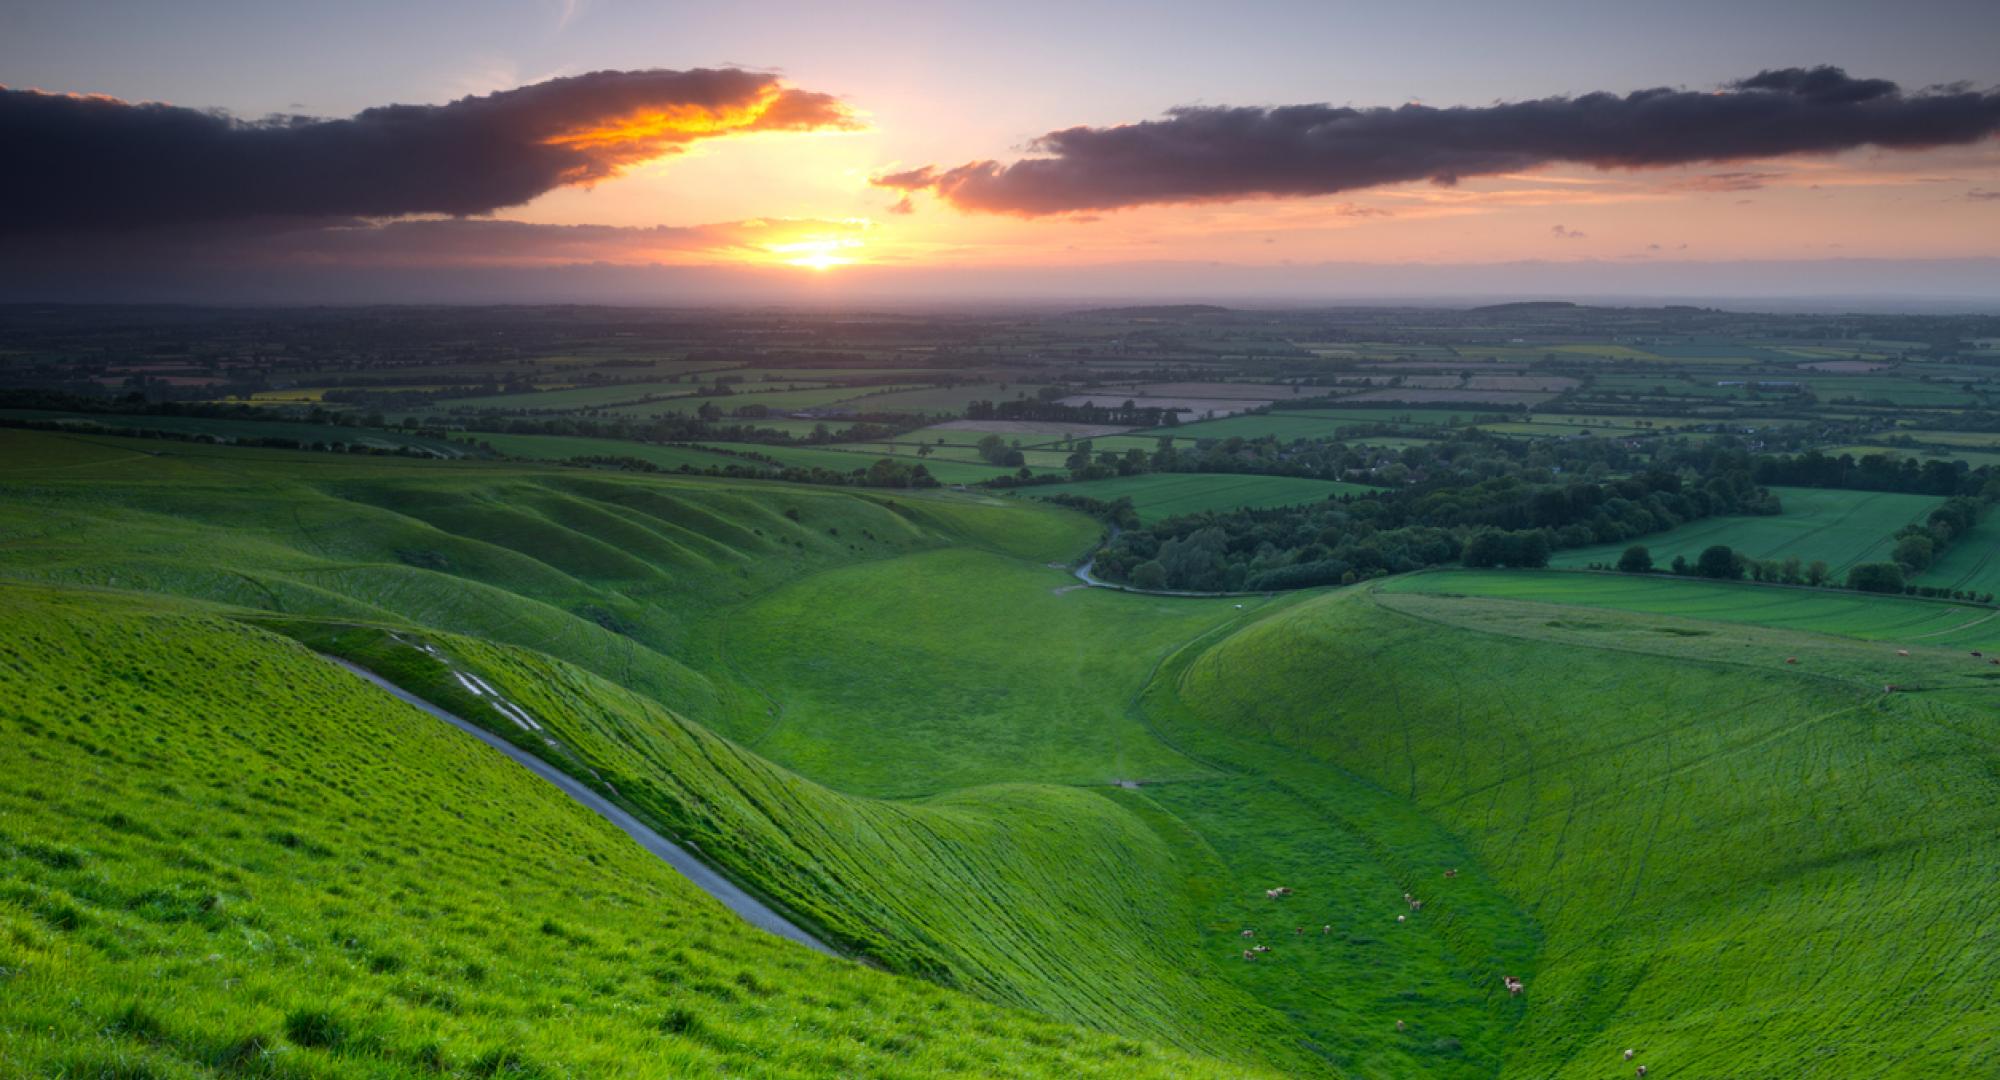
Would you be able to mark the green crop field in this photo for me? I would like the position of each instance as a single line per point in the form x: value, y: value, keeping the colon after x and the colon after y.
x: 1840, y: 527
x: 1971, y: 563
x: 1156, y: 496
x: 1048, y: 813
x: 1826, y: 611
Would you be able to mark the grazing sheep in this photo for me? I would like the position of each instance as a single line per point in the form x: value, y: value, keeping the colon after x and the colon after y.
x: 1399, y: 1025
x: 1261, y: 949
x: 1791, y: 659
x: 1642, y: 1070
x: 1400, y: 918
x: 1451, y: 873
x: 1327, y: 929
x: 1416, y: 905
x: 1407, y: 896
x: 1902, y: 652
x: 1300, y: 930
x: 1629, y: 1053
x: 1249, y: 933
x: 1249, y: 954
x: 1514, y: 986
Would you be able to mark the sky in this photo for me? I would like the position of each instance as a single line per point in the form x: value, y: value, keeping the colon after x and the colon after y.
x: 652, y: 151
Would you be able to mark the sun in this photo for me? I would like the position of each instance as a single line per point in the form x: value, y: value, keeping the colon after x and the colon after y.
x: 820, y: 260
x: 820, y: 253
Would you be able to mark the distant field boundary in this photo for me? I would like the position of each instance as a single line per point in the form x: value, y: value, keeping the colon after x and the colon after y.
x: 1660, y: 576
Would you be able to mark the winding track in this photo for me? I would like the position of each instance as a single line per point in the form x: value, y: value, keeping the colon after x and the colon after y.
x: 749, y: 908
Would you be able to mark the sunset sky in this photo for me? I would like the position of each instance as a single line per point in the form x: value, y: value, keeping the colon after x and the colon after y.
x: 727, y: 137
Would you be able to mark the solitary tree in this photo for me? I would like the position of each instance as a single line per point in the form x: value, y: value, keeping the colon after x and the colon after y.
x: 1636, y: 560
x: 1879, y: 577
x: 1719, y: 562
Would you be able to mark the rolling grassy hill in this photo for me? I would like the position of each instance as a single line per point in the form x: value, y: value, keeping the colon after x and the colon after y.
x: 1737, y: 869
x: 890, y: 715
x: 220, y: 855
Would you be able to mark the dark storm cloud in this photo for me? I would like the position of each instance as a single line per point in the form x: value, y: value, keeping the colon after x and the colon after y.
x: 1204, y: 154
x: 88, y: 162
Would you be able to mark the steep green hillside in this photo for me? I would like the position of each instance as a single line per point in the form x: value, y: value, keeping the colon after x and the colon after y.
x: 1044, y: 896
x: 1737, y: 869
x: 222, y: 856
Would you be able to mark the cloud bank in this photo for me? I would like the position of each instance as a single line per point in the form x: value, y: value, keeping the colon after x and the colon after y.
x: 91, y: 162
x: 1209, y: 154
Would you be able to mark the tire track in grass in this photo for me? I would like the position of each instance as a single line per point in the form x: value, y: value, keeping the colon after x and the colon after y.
x: 728, y: 893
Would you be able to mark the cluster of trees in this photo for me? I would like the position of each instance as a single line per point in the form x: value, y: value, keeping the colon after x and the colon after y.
x: 994, y: 450
x: 1919, y: 545
x: 1505, y: 521
x: 1872, y: 472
